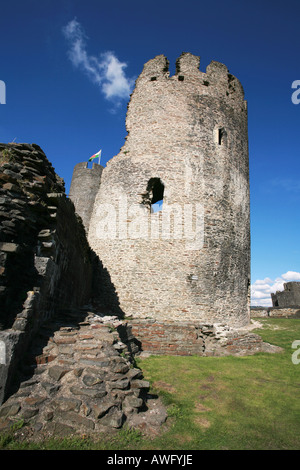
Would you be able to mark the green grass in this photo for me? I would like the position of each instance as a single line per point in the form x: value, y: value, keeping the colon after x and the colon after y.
x: 216, y: 403
x: 6, y: 156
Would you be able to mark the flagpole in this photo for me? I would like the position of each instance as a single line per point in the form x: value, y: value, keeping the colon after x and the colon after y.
x: 95, y: 155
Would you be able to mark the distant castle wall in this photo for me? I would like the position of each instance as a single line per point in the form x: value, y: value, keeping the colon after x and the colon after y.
x: 275, y: 312
x: 84, y: 187
x: 289, y: 297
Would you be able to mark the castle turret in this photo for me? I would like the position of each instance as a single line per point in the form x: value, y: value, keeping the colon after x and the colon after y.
x: 84, y: 187
x: 186, y: 150
x: 289, y: 297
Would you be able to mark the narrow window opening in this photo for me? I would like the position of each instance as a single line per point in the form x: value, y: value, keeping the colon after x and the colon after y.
x: 153, y: 197
x: 222, y: 136
x: 181, y: 78
x: 152, y: 79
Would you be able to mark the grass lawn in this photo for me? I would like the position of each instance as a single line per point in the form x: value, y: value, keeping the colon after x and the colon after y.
x: 217, y: 403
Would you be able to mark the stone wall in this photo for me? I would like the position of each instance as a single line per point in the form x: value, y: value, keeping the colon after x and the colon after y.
x: 84, y: 187
x: 276, y: 312
x: 25, y: 179
x: 193, y: 338
x: 78, y: 377
x: 289, y: 297
x: 191, y: 261
x: 45, y: 261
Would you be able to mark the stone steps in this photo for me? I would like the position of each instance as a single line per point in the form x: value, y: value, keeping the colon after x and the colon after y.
x: 79, y: 377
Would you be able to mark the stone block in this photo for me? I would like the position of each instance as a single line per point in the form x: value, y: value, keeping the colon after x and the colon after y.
x: 10, y: 410
x: 9, y: 247
x: 76, y: 419
x: 101, y: 408
x: 90, y: 380
x: 98, y: 392
x: 57, y: 372
x: 133, y: 402
x: 66, y: 404
x: 113, y: 419
x: 119, y: 384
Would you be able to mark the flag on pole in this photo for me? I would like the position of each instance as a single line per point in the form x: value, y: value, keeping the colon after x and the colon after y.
x: 95, y: 156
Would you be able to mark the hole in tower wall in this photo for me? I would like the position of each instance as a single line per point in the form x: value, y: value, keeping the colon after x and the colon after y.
x: 222, y: 136
x: 153, y: 197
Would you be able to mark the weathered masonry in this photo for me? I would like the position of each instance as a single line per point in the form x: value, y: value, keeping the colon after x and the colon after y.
x: 170, y: 221
x: 289, y: 297
x: 63, y: 368
x: 46, y: 264
x: 84, y: 187
x: 157, y: 263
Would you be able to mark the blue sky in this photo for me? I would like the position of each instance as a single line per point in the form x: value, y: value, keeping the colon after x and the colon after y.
x: 69, y: 66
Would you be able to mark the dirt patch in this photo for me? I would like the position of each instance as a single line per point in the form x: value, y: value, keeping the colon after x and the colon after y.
x: 164, y: 386
x: 183, y: 437
x: 210, y: 378
x: 206, y: 387
x: 201, y: 408
x: 202, y: 422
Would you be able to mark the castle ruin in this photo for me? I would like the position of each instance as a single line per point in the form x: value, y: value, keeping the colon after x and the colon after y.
x: 289, y: 297
x: 158, y: 261
x: 187, y: 146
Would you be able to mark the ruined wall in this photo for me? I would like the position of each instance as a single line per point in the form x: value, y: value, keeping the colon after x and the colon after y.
x: 45, y: 261
x: 289, y: 297
x: 78, y: 377
x: 190, y: 261
x: 84, y: 187
x: 194, y: 339
x: 275, y: 312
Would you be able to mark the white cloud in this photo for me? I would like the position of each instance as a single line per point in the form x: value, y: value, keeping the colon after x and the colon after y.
x: 264, y: 281
x: 115, y: 83
x: 291, y: 276
x: 261, y: 289
x: 106, y: 71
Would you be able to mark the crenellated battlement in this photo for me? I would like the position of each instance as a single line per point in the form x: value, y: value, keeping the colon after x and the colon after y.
x: 164, y: 108
x: 215, y: 80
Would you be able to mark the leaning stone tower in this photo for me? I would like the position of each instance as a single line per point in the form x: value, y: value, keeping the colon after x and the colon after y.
x: 187, y: 146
